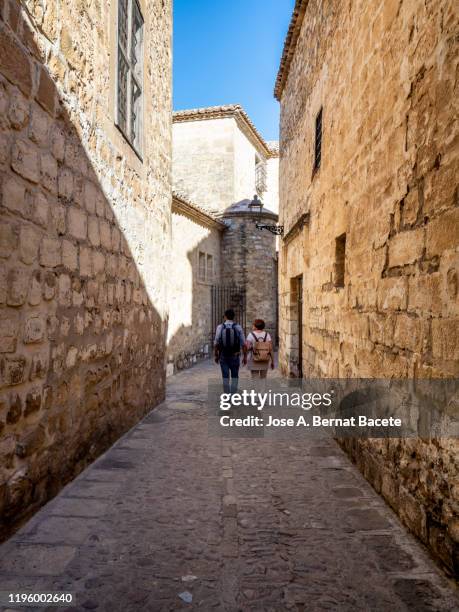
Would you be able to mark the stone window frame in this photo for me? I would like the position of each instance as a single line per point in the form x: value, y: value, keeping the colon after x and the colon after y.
x: 206, y: 278
x: 134, y: 75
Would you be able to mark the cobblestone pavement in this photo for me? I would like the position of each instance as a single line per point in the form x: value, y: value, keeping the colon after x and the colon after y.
x: 170, y: 513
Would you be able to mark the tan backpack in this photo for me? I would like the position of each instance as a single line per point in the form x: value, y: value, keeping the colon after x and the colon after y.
x: 261, y: 350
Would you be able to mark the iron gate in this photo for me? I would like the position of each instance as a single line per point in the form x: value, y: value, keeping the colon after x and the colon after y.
x: 223, y: 297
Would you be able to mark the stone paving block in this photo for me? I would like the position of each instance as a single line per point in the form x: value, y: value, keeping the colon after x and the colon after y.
x: 72, y: 506
x: 35, y: 560
x: 367, y: 519
x: 60, y: 530
x: 92, y: 489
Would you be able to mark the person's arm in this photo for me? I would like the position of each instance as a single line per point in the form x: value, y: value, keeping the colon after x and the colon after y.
x: 243, y: 345
x: 216, y: 344
x: 271, y: 352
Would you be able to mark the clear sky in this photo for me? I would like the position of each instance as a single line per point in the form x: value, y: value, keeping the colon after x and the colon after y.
x: 228, y: 53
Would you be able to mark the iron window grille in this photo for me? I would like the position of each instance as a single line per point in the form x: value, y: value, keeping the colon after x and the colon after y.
x: 260, y: 176
x: 340, y: 260
x: 129, y: 100
x: 318, y: 141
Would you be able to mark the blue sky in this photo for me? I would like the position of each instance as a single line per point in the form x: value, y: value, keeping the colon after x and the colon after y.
x: 228, y: 53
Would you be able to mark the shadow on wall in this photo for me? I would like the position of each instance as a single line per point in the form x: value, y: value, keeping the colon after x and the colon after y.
x: 82, y: 344
x: 190, y: 344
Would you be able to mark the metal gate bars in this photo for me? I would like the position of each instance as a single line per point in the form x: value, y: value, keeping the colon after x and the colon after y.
x: 224, y: 297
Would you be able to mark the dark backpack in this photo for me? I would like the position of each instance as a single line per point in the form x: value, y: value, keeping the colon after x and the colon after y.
x: 229, y: 341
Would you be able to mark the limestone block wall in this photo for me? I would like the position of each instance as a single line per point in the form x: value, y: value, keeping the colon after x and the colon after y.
x: 84, y: 233
x: 385, y: 75
x: 189, y: 297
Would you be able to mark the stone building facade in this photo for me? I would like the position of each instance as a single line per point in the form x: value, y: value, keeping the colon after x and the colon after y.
x: 84, y: 233
x: 220, y: 162
x: 194, y: 268
x: 368, y: 197
x: 220, y: 158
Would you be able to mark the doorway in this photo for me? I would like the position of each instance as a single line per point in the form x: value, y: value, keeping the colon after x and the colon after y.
x: 299, y: 297
x: 295, y: 344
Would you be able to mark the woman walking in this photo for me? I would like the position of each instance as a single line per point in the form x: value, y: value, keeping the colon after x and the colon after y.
x: 260, y: 350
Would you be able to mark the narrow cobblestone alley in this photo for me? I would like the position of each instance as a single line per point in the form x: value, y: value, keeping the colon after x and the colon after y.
x: 170, y: 512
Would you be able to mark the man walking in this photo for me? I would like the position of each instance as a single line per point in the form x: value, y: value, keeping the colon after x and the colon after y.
x: 228, y: 344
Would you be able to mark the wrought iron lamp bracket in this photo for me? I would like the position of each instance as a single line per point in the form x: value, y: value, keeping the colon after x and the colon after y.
x: 278, y: 230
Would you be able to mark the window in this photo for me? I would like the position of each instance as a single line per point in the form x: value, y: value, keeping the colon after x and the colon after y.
x: 340, y: 260
x: 130, y: 72
x: 205, y: 267
x: 260, y: 175
x: 318, y: 141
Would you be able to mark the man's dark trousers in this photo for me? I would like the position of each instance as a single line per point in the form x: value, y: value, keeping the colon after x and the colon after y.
x: 230, y: 365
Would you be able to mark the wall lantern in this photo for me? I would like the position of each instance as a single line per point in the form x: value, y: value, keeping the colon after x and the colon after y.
x: 256, y: 205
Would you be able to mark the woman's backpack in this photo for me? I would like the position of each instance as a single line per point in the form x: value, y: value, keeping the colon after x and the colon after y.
x: 261, y: 350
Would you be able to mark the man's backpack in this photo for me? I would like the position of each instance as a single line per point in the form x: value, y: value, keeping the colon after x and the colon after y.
x: 261, y: 350
x: 229, y: 342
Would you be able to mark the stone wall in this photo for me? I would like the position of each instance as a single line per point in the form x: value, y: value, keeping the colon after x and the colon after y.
x: 83, y: 239
x: 385, y: 75
x: 189, y: 333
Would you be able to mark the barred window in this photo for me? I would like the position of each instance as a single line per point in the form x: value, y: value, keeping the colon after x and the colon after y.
x: 130, y: 71
x: 260, y: 176
x: 318, y: 141
x: 340, y: 260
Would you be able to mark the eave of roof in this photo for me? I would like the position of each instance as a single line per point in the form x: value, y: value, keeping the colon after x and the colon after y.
x: 288, y: 52
x: 182, y: 205
x: 229, y: 110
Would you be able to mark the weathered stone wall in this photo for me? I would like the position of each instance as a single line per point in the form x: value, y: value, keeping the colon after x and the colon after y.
x: 385, y: 74
x: 84, y: 236
x: 189, y: 297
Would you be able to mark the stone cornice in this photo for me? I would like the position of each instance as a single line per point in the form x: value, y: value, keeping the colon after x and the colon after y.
x: 265, y: 215
x: 182, y: 206
x: 231, y: 110
x: 289, y: 46
x: 296, y: 228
